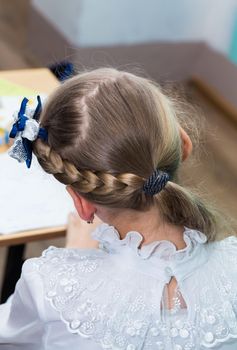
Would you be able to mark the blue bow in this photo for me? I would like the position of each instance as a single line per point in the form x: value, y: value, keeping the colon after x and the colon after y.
x: 24, y: 150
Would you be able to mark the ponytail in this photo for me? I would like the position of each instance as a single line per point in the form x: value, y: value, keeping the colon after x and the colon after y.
x: 180, y: 206
x: 107, y: 132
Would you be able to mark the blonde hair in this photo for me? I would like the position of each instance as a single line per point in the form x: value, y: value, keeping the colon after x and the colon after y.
x: 108, y: 130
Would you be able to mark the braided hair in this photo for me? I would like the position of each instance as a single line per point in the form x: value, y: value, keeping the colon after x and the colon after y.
x: 115, y: 139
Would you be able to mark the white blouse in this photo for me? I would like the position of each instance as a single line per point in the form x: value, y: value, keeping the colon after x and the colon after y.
x: 114, y: 297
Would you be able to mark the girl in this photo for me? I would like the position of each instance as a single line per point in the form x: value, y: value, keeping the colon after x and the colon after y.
x: 158, y: 279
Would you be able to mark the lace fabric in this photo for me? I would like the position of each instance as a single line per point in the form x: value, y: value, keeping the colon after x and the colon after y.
x: 110, y: 240
x: 115, y: 295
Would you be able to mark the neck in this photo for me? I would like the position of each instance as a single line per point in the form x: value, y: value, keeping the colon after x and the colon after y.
x: 148, y: 223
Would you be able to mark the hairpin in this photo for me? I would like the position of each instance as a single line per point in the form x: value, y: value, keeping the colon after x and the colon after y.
x: 156, y: 182
x: 26, y: 128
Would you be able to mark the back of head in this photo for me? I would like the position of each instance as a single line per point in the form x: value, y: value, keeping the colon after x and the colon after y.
x: 108, y: 131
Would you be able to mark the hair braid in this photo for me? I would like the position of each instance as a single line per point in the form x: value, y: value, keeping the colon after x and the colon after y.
x: 107, y: 132
x: 85, y: 181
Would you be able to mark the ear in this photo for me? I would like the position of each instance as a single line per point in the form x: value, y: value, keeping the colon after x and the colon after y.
x: 187, y: 145
x: 85, y: 209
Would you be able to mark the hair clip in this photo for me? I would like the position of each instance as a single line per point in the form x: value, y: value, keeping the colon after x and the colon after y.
x: 26, y: 129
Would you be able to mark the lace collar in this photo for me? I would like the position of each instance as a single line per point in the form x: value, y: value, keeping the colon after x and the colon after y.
x: 122, y: 309
x: 110, y: 241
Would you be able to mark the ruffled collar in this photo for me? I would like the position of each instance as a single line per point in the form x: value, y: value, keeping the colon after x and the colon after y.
x: 110, y: 241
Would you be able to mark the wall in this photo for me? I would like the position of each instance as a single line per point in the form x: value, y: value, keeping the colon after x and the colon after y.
x: 111, y: 22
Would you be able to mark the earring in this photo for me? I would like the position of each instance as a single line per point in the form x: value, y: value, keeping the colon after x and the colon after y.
x: 91, y: 220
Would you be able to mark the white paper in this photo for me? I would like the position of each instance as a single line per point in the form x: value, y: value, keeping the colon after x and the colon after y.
x: 30, y: 198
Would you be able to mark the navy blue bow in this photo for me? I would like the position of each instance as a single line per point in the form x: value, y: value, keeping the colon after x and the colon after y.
x: 20, y: 124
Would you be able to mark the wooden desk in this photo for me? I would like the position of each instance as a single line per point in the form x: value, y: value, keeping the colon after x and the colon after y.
x: 41, y: 80
x: 31, y: 236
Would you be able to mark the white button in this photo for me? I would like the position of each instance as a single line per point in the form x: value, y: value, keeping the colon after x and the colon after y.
x: 209, y: 337
x: 174, y: 332
x: 184, y: 333
x: 131, y: 347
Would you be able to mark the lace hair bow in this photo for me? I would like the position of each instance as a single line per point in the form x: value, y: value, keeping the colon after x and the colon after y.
x: 26, y: 129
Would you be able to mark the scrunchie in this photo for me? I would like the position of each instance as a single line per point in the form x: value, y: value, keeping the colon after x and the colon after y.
x: 156, y: 182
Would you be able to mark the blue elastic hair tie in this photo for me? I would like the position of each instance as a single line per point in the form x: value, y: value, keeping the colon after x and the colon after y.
x: 156, y: 182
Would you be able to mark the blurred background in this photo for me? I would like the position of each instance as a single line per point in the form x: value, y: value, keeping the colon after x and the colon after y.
x: 188, y: 46
x: 86, y: 23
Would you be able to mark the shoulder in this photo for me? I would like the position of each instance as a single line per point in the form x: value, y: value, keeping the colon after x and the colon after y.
x: 54, y: 263
x: 90, y: 294
x: 222, y: 259
x: 225, y: 248
x: 216, y: 293
x: 55, y: 260
x: 71, y: 254
x: 59, y: 274
x: 229, y: 242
